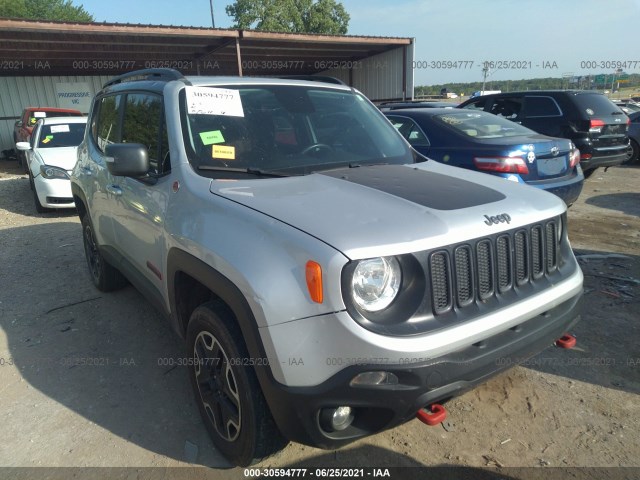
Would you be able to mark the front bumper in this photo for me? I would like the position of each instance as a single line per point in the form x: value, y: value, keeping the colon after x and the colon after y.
x: 376, y: 408
x: 54, y: 193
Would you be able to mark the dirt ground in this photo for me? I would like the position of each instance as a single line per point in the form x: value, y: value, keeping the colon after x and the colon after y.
x: 81, y: 383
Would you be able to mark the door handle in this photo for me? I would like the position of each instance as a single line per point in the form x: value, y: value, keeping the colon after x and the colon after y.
x: 114, y: 190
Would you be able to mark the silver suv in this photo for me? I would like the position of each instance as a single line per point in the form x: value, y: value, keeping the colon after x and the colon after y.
x: 330, y: 283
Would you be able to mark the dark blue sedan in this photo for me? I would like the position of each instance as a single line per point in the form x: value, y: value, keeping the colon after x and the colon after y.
x: 482, y: 141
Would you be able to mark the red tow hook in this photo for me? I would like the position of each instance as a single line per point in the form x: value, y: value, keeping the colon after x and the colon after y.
x: 566, y: 341
x: 438, y: 415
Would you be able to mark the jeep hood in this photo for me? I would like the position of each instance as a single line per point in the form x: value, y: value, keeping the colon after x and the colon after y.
x: 369, y: 211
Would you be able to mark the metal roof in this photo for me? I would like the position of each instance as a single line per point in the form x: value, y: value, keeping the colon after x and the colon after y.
x: 37, y: 48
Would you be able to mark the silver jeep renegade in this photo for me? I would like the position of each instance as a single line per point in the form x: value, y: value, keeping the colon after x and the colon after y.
x: 330, y: 283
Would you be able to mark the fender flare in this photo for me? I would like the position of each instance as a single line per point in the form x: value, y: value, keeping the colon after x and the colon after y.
x: 181, y: 261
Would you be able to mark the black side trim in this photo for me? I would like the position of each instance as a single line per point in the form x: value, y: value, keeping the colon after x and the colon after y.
x: 76, y: 191
x: 179, y: 261
x: 137, y: 279
x: 429, y: 189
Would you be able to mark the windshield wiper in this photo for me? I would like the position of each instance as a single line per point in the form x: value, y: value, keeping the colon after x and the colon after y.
x: 251, y: 171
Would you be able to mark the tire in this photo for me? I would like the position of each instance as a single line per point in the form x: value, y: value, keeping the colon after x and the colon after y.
x: 588, y: 173
x: 228, y: 391
x: 105, y: 277
x: 634, y: 153
x: 36, y: 200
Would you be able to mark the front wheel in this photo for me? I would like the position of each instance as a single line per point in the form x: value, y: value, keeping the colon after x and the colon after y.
x: 36, y: 200
x: 227, y: 391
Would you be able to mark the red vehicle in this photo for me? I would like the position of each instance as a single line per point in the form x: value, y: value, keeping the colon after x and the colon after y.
x: 24, y: 127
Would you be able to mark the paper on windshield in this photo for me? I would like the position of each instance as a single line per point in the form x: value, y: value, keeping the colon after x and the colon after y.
x: 59, y: 128
x: 214, y: 101
x: 223, y: 152
x: 209, y: 138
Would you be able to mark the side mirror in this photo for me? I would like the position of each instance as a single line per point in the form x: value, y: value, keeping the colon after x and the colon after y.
x: 19, y: 123
x: 23, y: 146
x: 127, y: 159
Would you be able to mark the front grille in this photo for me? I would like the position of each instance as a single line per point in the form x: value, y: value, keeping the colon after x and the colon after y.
x: 521, y: 251
x: 503, y: 249
x: 440, y: 281
x: 464, y: 277
x: 488, y: 267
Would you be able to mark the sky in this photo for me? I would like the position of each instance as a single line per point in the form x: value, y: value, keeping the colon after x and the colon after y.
x: 524, y: 38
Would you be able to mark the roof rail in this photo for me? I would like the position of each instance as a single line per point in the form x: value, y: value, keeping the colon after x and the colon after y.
x: 147, y: 74
x: 314, y: 78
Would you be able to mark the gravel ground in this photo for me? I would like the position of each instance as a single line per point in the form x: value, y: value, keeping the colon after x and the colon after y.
x: 81, y: 384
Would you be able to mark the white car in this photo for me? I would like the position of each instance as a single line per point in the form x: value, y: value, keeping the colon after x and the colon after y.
x: 51, y: 155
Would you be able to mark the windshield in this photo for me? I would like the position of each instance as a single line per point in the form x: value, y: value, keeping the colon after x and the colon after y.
x: 61, y: 135
x: 288, y: 129
x: 596, y: 104
x: 482, y: 125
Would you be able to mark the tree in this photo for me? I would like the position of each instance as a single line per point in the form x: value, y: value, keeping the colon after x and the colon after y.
x: 62, y: 10
x: 293, y: 16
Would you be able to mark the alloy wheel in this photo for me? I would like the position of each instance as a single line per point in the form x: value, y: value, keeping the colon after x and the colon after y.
x: 217, y: 386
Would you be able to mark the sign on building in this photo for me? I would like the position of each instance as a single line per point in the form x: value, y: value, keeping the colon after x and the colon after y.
x: 74, y: 95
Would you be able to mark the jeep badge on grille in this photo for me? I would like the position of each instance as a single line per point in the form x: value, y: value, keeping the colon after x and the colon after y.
x: 502, y: 218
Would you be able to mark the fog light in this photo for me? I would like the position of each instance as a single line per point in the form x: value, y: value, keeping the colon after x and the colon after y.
x: 374, y: 378
x: 336, y: 419
x: 341, y: 418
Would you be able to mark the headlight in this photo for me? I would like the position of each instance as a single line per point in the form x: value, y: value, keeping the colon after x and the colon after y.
x: 48, y: 171
x: 375, y: 283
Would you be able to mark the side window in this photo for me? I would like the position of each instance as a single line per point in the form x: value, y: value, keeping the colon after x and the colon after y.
x: 143, y: 123
x: 507, y: 107
x: 410, y: 130
x: 106, y: 123
x: 477, y: 105
x: 542, y: 107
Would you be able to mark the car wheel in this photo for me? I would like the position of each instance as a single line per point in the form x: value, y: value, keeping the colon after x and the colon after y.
x: 105, y: 276
x: 36, y: 200
x: 633, y: 152
x: 226, y: 388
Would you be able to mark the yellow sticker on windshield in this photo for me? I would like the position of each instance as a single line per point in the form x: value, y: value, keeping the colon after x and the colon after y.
x: 209, y: 138
x: 223, y: 153
x: 46, y: 140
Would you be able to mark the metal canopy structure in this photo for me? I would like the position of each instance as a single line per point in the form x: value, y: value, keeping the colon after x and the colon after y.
x: 34, y: 48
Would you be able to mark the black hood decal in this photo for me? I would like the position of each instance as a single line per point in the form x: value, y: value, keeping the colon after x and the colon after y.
x: 429, y: 189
